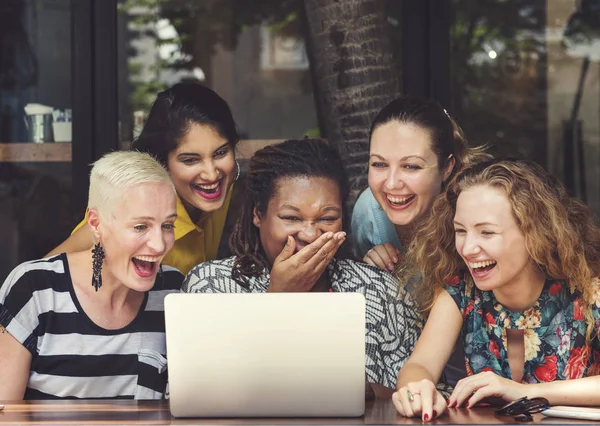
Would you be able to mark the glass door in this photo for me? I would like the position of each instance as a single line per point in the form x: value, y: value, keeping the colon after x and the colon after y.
x: 35, y: 128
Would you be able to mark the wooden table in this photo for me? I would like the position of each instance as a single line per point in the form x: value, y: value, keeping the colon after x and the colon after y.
x: 157, y: 413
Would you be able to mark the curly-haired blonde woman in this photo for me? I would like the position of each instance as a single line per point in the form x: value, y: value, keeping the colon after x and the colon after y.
x: 509, y: 262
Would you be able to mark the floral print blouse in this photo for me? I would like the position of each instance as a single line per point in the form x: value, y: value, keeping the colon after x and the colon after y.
x: 554, y: 332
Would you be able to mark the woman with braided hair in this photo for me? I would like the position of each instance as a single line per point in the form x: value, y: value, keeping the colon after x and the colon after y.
x: 290, y: 238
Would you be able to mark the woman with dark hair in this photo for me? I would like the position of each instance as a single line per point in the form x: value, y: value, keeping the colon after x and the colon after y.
x: 509, y: 263
x: 191, y: 132
x: 290, y: 237
x: 415, y: 149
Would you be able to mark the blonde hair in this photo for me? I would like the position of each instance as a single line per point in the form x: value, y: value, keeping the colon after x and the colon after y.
x: 560, y: 233
x: 117, y: 171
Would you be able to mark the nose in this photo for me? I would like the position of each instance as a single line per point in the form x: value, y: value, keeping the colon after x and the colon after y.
x: 209, y: 173
x: 156, y: 241
x: 309, y: 233
x: 470, y: 246
x: 394, y: 179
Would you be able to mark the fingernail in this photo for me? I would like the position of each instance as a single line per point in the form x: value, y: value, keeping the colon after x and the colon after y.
x: 425, y: 417
x: 455, y: 405
x: 390, y: 267
x: 329, y: 235
x: 467, y: 405
x: 434, y: 413
x: 395, y: 259
x: 448, y: 403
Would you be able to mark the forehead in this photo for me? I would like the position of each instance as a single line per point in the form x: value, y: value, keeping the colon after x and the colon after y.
x: 396, y: 139
x: 306, y: 192
x: 200, y: 138
x: 147, y: 199
x: 483, y: 203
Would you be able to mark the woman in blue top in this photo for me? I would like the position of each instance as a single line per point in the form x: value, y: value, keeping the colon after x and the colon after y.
x: 509, y: 263
x: 415, y: 148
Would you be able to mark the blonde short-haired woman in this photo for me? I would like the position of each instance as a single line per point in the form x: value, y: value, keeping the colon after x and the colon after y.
x: 90, y: 324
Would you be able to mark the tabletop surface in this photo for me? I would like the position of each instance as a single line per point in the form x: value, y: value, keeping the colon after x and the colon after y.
x: 131, y: 412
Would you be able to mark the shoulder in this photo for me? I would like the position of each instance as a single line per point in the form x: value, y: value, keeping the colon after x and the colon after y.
x: 365, y: 203
x: 35, y: 275
x: 462, y: 292
x: 222, y: 267
x: 212, y: 275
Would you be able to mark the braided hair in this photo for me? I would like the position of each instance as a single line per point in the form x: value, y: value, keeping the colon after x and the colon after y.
x: 294, y: 158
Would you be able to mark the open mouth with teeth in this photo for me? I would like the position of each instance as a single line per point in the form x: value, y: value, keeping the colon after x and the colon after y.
x: 395, y: 201
x: 482, y: 268
x: 145, y: 266
x: 209, y: 191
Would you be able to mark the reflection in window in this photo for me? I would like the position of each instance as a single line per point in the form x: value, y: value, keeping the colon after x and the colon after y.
x: 525, y: 78
x: 251, y: 52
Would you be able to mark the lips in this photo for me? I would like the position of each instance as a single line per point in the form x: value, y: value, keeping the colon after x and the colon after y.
x: 145, y: 266
x: 208, y: 191
x: 399, y: 201
x: 481, y: 269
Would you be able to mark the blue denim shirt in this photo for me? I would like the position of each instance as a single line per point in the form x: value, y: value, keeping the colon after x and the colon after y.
x: 371, y: 226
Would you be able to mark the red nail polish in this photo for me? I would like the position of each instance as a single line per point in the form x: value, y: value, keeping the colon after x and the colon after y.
x: 434, y: 413
x: 467, y: 405
x: 426, y: 417
x: 455, y: 405
x: 448, y: 403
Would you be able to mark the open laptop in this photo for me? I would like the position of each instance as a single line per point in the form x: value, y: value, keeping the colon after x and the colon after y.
x: 266, y: 355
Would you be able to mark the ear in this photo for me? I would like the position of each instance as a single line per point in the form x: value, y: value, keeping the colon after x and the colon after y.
x: 93, y: 221
x: 449, y: 167
x: 256, y: 218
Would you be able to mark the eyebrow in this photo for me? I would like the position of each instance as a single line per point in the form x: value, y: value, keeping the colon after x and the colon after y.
x: 325, y: 209
x: 171, y: 216
x: 195, y: 154
x: 477, y: 224
x: 403, y: 158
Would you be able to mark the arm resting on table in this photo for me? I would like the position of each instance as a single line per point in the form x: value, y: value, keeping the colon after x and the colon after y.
x: 584, y: 391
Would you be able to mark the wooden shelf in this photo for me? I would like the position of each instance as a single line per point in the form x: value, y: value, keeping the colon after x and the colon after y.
x: 35, y: 152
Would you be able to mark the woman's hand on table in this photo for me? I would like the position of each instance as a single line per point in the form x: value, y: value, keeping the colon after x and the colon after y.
x: 300, y: 271
x: 473, y: 389
x: 385, y: 256
x: 419, y: 399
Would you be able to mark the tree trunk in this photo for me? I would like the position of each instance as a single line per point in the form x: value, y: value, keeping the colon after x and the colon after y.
x: 356, y: 75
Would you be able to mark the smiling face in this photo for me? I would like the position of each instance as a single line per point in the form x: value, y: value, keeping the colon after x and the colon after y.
x: 202, y: 168
x: 139, y: 234
x: 491, y: 243
x: 304, y: 208
x: 403, y: 171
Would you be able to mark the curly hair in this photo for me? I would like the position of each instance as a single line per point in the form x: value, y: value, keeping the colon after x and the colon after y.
x: 268, y: 166
x: 560, y: 233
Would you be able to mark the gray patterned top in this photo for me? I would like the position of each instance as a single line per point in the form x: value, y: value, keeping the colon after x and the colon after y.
x: 392, y: 324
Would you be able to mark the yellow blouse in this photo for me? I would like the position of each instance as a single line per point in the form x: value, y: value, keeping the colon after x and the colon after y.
x: 194, y: 242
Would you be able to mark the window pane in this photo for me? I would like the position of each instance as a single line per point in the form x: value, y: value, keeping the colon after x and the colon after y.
x: 35, y: 149
x: 525, y: 78
x: 252, y: 53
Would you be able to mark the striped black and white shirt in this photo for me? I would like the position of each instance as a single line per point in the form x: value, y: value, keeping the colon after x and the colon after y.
x: 72, y: 357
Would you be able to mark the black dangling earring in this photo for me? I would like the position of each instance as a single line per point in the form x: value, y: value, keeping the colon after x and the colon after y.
x: 97, y: 259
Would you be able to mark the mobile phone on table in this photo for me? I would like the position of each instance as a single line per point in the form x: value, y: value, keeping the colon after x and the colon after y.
x: 579, y: 413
